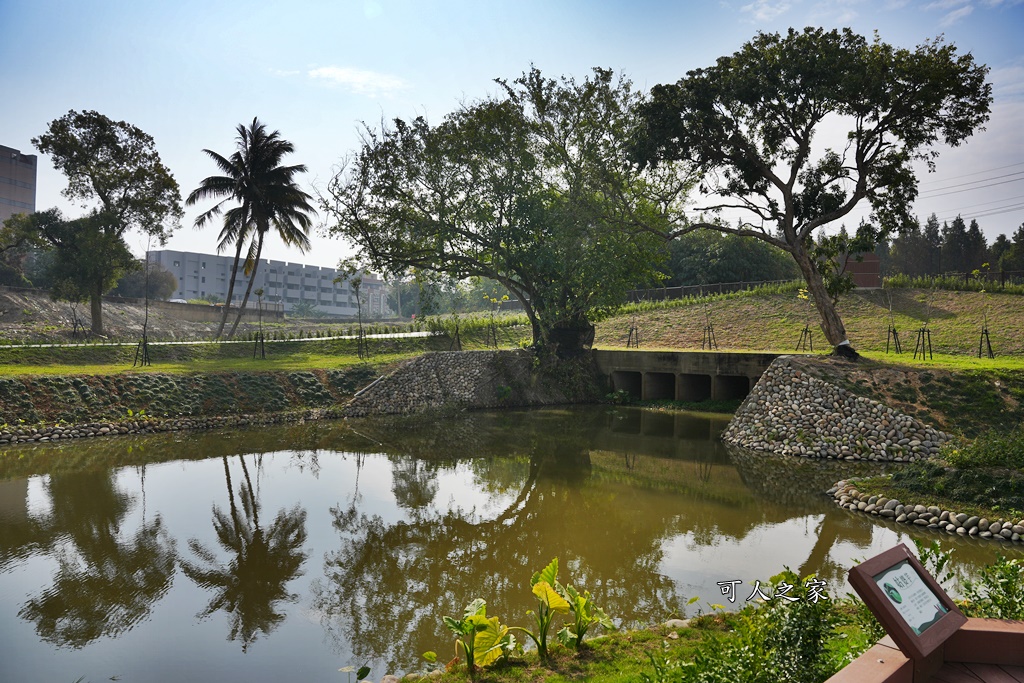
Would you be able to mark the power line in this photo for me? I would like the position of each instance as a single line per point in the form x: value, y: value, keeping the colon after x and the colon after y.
x: 991, y: 212
x: 941, y: 191
x: 968, y: 175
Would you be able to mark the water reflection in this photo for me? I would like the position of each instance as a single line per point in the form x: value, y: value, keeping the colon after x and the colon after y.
x: 251, y: 586
x: 103, y: 584
x: 387, y: 583
x: 398, y: 522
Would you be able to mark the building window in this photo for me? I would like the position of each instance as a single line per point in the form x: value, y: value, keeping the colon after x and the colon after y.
x: 177, y: 264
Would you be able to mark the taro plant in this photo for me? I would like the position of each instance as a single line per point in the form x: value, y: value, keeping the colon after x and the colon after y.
x: 481, y: 641
x: 585, y: 614
x: 549, y: 603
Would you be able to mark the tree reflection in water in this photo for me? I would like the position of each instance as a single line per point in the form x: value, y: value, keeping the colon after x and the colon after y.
x: 387, y: 586
x: 251, y: 586
x: 104, y: 584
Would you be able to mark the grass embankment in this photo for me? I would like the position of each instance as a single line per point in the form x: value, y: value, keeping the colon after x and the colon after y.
x: 292, y: 355
x: 773, y: 320
x: 983, y: 476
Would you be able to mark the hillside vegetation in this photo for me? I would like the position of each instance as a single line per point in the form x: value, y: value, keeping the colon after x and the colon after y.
x: 773, y: 322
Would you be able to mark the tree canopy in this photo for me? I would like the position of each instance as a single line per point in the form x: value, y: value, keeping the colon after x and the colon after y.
x: 748, y: 125
x: 531, y: 188
x: 113, y: 169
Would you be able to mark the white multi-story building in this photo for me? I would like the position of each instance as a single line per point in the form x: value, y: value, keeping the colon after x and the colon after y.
x: 287, y: 284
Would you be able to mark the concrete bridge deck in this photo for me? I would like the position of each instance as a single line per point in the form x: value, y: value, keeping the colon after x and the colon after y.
x: 682, y: 375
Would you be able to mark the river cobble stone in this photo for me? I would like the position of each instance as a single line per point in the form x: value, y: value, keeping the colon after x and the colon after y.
x: 846, y: 496
x: 793, y: 413
x: 455, y: 380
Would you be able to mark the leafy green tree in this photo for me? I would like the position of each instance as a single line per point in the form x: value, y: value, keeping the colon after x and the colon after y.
x: 748, y: 123
x: 1013, y: 257
x: 706, y: 257
x: 977, y: 247
x: 531, y: 188
x: 267, y: 196
x: 113, y: 167
x: 955, y: 247
x: 162, y: 283
x: 84, y: 258
x: 911, y: 253
x: 933, y: 239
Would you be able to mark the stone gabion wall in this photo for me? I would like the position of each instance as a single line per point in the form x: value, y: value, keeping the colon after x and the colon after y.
x: 790, y: 412
x: 847, y: 496
x: 88, y: 430
x: 450, y: 380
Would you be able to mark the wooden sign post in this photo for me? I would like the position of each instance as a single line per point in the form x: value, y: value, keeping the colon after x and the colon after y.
x: 911, y: 606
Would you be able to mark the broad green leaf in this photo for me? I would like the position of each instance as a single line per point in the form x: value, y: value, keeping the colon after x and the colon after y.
x: 478, y: 606
x: 603, y: 619
x: 476, y: 623
x: 363, y: 673
x: 547, y: 595
x: 566, y: 637
x: 456, y: 627
x: 487, y: 644
x: 430, y: 656
x: 548, y: 574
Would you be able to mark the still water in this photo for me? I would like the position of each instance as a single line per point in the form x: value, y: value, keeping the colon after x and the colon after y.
x: 287, y: 553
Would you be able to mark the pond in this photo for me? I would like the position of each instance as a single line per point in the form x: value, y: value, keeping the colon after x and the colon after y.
x: 287, y: 553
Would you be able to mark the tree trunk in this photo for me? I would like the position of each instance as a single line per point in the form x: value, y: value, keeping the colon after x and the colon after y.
x: 96, y: 310
x: 831, y: 324
x: 231, y: 287
x: 248, y: 289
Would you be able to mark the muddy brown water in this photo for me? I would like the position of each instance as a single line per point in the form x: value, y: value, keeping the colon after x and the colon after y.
x: 288, y: 553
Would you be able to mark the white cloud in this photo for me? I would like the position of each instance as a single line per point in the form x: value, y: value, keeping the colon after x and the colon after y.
x: 359, y: 81
x: 1008, y: 82
x: 956, y: 15
x: 763, y: 10
x: 946, y: 4
x: 835, y: 11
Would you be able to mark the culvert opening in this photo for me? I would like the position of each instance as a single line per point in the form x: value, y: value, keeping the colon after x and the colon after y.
x: 631, y: 382
x: 659, y: 386
x: 731, y: 387
x: 694, y: 388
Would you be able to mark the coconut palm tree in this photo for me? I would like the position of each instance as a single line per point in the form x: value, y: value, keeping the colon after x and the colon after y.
x: 266, y: 194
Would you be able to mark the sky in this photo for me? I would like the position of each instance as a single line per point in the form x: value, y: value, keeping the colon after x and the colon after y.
x: 189, y: 72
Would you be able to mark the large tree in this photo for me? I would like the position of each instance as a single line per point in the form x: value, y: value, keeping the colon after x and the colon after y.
x: 82, y: 257
x: 531, y: 188
x: 113, y: 169
x: 266, y: 195
x: 749, y: 122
